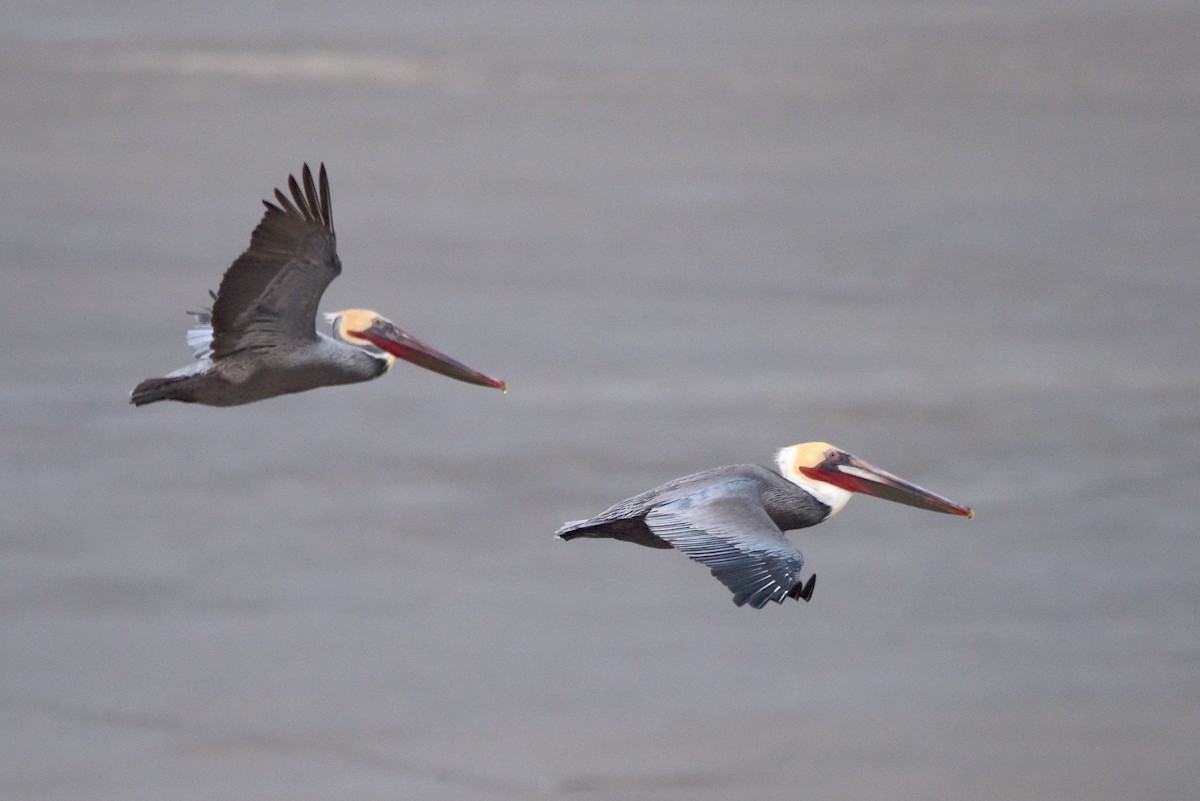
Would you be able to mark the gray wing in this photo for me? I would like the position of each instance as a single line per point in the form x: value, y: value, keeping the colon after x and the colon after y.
x: 725, y: 527
x: 270, y: 293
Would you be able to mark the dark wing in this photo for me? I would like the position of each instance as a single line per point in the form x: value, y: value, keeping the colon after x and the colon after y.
x: 725, y: 527
x: 270, y: 294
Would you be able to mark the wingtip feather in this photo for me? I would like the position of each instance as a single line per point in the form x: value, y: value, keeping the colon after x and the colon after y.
x: 326, y: 205
x: 310, y: 193
x: 301, y: 206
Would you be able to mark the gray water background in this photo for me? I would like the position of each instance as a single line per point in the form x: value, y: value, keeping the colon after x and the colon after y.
x: 957, y: 239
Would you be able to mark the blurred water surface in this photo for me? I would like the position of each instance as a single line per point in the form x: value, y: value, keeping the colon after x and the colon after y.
x: 958, y: 239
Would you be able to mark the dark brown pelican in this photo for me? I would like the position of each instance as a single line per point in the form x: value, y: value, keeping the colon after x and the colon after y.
x: 260, y: 339
x: 731, y: 519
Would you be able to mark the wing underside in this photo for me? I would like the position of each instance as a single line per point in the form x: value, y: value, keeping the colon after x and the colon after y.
x: 730, y: 532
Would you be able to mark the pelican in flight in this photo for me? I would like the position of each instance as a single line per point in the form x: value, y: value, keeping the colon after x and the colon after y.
x: 731, y: 519
x: 260, y: 339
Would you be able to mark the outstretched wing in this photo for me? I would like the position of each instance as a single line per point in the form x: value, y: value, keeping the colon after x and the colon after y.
x: 725, y: 527
x: 270, y: 293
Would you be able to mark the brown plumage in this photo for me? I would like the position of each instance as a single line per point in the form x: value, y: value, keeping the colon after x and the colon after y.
x: 260, y: 339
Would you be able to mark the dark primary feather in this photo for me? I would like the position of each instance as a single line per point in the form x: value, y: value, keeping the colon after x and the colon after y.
x: 271, y: 292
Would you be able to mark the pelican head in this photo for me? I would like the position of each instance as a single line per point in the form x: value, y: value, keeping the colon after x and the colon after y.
x: 831, y: 475
x: 381, y: 337
x: 350, y: 325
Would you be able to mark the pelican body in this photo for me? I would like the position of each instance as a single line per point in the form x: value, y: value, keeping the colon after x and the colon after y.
x: 260, y: 340
x: 732, y: 519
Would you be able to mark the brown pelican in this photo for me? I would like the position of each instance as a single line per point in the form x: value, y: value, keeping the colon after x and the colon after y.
x: 731, y: 519
x: 260, y: 339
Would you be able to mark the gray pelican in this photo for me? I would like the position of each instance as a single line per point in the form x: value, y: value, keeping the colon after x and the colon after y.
x: 260, y: 339
x: 731, y: 519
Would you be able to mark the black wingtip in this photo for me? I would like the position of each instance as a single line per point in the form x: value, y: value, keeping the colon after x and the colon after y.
x: 310, y: 192
x: 805, y: 592
x: 300, y: 205
x: 326, y: 205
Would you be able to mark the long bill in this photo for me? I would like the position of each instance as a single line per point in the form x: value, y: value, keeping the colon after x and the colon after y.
x: 404, y: 345
x: 853, y: 474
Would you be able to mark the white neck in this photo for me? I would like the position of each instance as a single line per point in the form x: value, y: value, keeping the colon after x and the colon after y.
x: 832, y: 496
